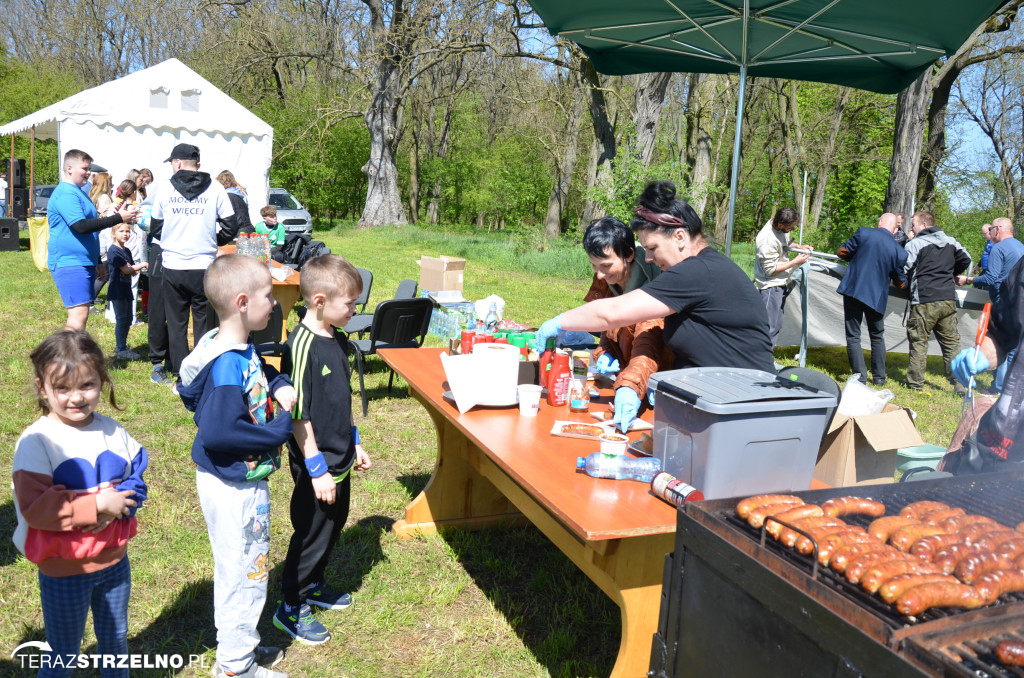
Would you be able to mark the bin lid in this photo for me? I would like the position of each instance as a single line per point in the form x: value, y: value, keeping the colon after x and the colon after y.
x: 725, y: 390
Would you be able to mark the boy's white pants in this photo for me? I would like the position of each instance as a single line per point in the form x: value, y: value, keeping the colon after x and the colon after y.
x: 238, y: 523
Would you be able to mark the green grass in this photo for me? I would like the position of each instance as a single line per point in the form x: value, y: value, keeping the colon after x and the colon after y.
x: 499, y: 602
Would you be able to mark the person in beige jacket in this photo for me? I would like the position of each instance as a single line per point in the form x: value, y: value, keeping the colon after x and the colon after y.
x: 773, y: 267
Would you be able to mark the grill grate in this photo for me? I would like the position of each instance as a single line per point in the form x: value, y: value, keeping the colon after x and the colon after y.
x: 969, y: 652
x: 998, y: 496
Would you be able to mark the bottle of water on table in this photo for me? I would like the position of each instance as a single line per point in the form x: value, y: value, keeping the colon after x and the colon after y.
x: 619, y: 466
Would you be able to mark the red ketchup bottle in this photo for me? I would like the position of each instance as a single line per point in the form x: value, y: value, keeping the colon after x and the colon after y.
x: 544, y: 363
x: 558, y: 379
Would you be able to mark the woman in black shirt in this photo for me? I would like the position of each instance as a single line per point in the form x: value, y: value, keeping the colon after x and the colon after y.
x: 713, y: 315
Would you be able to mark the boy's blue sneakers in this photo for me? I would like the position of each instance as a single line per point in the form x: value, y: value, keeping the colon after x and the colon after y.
x: 300, y: 624
x: 324, y: 597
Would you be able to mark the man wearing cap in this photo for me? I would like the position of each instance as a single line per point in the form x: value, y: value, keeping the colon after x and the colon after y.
x: 186, y: 212
x: 73, y: 249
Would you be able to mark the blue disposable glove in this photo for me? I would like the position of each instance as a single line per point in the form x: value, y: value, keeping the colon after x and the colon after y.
x: 650, y: 397
x: 627, y: 404
x: 968, y: 363
x: 549, y: 330
x: 605, y: 364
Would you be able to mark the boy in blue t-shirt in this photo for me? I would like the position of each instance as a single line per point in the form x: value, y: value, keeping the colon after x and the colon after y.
x: 324, y: 448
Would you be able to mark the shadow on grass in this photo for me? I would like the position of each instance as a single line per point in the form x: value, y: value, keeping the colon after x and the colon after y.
x: 414, y: 483
x: 185, y: 628
x: 353, y: 557
x: 8, y: 521
x: 565, y: 620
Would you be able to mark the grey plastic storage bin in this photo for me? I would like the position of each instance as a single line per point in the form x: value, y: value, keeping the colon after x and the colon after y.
x: 736, y: 432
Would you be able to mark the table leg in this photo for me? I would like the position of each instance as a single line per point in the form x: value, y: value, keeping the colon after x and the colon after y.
x: 457, y: 495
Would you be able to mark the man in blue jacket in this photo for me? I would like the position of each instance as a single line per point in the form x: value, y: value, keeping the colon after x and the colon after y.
x: 875, y: 259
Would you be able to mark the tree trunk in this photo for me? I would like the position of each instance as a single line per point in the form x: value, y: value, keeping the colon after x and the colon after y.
x: 566, y: 166
x: 604, y: 148
x: 792, y: 138
x: 828, y: 156
x: 911, y: 105
x: 414, y: 177
x: 383, y: 199
x: 434, y: 207
x: 699, y: 98
x: 650, y: 95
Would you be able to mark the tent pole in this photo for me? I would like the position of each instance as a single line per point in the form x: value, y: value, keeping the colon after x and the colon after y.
x: 736, y: 160
x: 10, y: 184
x: 31, y: 171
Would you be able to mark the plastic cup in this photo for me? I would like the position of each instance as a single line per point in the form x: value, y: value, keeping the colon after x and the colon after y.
x: 529, y: 399
x: 613, y: 443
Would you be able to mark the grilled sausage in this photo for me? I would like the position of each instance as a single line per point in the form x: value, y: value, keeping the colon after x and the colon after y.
x: 936, y: 517
x: 744, y: 508
x: 973, y: 533
x: 948, y: 557
x: 938, y: 594
x: 842, y: 556
x: 788, y: 537
x: 806, y: 546
x: 957, y: 523
x: 1009, y: 652
x: 969, y: 568
x: 756, y: 517
x: 834, y: 542
x: 919, y: 508
x: 993, y: 540
x: 883, y: 572
x: 856, y: 568
x: 881, y: 528
x: 908, y: 535
x: 927, y: 547
x: 1011, y: 548
x: 842, y: 506
x: 993, y: 584
x: 790, y: 515
x: 892, y: 589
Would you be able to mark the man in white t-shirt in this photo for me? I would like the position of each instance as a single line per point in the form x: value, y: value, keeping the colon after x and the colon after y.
x: 191, y: 217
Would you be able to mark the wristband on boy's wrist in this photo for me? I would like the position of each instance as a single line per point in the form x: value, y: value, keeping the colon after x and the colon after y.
x: 355, y: 435
x: 317, y: 466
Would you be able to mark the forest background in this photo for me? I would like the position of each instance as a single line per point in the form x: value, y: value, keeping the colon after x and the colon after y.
x: 468, y: 115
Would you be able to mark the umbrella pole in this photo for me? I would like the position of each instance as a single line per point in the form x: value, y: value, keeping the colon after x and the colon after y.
x: 736, y: 160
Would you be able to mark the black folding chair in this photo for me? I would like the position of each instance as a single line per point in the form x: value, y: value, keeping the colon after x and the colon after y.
x: 397, y: 323
x: 268, y: 340
x: 360, y: 322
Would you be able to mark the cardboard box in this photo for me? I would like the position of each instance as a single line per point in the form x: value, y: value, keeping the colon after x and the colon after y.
x: 862, y: 450
x: 441, y: 273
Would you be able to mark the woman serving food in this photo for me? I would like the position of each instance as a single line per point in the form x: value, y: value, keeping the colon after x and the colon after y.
x: 619, y: 268
x: 713, y: 315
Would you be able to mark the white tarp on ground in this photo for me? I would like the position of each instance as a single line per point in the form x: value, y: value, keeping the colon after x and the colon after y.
x: 135, y: 121
x: 825, y: 322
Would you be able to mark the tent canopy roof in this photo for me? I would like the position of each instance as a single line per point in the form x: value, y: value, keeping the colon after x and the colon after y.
x: 877, y: 45
x: 169, y: 96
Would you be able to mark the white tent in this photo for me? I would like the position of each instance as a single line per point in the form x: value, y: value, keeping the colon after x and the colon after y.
x: 135, y: 121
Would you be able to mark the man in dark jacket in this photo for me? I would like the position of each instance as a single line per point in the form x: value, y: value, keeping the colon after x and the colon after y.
x: 875, y: 259
x: 933, y: 261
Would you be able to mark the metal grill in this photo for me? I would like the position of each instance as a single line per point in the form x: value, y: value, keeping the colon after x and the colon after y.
x: 998, y: 497
x: 968, y: 651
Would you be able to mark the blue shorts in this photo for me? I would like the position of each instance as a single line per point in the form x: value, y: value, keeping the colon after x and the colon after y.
x: 75, y: 284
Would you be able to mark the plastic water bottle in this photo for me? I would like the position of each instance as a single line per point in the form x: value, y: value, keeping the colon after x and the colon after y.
x: 491, y: 320
x: 619, y: 466
x: 265, y: 250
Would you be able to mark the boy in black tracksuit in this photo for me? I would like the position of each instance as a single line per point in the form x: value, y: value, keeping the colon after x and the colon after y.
x: 324, y: 448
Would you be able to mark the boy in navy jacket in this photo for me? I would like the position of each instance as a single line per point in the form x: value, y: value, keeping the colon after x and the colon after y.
x: 325, y: 447
x: 226, y: 383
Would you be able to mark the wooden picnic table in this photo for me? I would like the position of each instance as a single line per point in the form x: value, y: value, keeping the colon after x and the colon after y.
x: 495, y: 466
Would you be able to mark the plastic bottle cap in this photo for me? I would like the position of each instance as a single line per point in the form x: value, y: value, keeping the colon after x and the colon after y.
x: 581, y: 462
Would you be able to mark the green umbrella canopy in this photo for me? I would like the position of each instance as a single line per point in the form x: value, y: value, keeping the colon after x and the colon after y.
x: 877, y: 45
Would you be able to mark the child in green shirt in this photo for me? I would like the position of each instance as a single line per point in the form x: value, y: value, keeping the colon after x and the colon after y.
x: 269, y: 226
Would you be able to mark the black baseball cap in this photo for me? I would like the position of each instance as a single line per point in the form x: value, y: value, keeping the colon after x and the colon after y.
x: 184, y: 152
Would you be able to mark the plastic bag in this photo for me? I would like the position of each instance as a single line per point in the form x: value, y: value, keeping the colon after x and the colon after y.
x: 859, y: 399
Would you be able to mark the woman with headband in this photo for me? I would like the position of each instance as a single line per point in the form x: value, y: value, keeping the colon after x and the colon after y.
x: 713, y: 315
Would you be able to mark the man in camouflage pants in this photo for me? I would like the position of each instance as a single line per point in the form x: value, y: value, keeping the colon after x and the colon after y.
x: 933, y: 261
